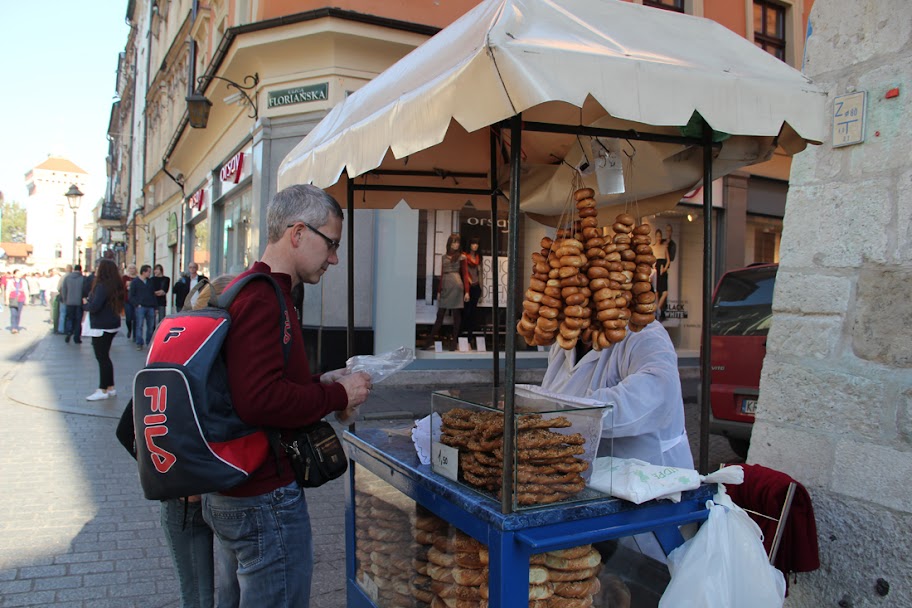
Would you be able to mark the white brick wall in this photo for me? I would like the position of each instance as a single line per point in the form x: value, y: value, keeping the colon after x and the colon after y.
x: 835, y: 407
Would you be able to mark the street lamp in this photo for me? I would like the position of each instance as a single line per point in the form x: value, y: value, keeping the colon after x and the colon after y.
x: 74, y: 199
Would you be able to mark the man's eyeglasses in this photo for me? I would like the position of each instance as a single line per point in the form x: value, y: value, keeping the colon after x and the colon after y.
x: 330, y: 244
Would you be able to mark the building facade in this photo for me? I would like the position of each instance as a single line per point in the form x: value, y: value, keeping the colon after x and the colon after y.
x: 273, y: 70
x: 53, y: 229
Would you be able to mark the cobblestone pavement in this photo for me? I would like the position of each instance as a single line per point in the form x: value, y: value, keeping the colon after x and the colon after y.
x: 75, y: 530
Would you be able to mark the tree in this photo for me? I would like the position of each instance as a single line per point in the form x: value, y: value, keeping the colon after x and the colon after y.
x: 13, y: 218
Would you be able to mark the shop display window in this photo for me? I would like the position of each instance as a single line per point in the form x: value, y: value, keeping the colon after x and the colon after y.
x: 556, y: 443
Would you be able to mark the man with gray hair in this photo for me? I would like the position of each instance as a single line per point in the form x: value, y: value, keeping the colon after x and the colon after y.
x: 265, y: 554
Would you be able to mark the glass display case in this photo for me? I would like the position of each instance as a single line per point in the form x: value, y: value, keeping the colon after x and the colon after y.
x: 417, y: 538
x: 555, y: 442
x: 406, y: 556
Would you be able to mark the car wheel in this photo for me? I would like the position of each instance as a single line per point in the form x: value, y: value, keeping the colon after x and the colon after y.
x: 739, y: 446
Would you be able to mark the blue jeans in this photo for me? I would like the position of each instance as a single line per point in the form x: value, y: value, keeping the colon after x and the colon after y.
x: 15, y: 312
x: 269, y: 536
x: 130, y: 318
x: 190, y: 541
x: 144, y: 314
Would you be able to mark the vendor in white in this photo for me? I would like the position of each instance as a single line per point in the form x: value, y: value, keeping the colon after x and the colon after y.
x: 639, y: 375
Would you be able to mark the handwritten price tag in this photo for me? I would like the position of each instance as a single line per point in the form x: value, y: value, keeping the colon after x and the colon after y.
x: 445, y: 460
x: 370, y: 587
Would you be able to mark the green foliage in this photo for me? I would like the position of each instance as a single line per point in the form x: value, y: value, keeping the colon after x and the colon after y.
x: 13, y: 218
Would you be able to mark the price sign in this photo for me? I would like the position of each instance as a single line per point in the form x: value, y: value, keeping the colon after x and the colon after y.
x: 370, y: 587
x: 445, y: 460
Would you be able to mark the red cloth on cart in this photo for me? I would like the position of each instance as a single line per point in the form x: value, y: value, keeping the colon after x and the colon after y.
x: 764, y: 491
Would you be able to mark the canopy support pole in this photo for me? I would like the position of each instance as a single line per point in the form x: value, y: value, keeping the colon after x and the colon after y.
x: 705, y: 359
x: 506, y: 500
x: 495, y: 313
x: 350, y: 267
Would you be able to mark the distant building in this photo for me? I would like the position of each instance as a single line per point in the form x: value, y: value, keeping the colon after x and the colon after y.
x: 49, y: 222
x: 16, y: 253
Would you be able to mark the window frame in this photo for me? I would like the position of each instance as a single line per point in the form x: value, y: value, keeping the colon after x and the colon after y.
x: 764, y: 39
x: 678, y: 6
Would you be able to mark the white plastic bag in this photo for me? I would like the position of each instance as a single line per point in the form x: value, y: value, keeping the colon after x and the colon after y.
x: 639, y: 481
x: 381, y: 367
x: 724, y: 565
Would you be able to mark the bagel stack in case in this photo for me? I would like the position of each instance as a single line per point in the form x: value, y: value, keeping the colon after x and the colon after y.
x: 548, y: 465
x: 428, y: 530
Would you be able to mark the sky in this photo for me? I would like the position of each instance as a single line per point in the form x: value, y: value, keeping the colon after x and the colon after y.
x: 58, y: 69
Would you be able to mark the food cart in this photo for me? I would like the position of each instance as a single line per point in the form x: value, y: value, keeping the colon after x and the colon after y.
x: 508, y: 102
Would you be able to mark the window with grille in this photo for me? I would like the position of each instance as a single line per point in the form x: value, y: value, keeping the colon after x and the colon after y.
x: 769, y: 28
x: 669, y: 5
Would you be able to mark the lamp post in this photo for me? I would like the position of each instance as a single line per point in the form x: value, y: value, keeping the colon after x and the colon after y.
x: 74, y: 199
x: 79, y: 250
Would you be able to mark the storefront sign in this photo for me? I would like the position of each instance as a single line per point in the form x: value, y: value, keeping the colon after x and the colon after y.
x: 503, y: 224
x: 197, y: 199
x: 288, y: 97
x: 231, y: 172
x: 172, y: 230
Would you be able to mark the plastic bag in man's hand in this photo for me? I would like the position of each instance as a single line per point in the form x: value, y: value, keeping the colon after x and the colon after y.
x: 381, y: 367
x: 724, y: 565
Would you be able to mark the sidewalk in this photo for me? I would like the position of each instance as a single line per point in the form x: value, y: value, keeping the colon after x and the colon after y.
x: 75, y: 530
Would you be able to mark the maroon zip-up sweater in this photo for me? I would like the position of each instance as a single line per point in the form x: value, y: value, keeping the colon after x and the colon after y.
x: 264, y: 390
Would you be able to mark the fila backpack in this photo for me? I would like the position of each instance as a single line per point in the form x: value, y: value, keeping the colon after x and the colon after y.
x: 188, y: 437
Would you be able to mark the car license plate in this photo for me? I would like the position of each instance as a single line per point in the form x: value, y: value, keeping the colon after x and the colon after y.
x: 749, y: 406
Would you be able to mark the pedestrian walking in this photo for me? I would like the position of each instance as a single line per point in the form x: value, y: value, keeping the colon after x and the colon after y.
x: 142, y: 297
x: 18, y: 290
x: 129, y: 310
x: 160, y: 284
x: 71, y: 292
x: 186, y: 284
x: 104, y: 304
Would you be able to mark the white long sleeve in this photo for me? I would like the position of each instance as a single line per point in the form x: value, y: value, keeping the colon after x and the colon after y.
x: 639, y: 376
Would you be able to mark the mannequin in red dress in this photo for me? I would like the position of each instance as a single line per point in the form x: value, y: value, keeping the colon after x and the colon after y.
x: 471, y: 275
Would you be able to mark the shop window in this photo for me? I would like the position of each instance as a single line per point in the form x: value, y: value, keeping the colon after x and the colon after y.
x: 765, y: 248
x: 668, y: 5
x: 200, y: 245
x: 769, y: 28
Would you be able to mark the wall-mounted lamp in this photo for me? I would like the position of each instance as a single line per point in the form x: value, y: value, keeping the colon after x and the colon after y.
x: 198, y: 105
x: 690, y: 217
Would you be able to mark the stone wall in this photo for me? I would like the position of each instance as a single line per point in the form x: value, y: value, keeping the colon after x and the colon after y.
x: 835, y: 407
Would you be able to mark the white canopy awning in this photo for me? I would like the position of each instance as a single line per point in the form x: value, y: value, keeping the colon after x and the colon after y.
x: 607, y: 63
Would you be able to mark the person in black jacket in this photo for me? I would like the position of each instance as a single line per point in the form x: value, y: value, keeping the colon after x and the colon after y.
x: 160, y: 284
x: 105, y: 304
x: 142, y: 297
x: 186, y: 284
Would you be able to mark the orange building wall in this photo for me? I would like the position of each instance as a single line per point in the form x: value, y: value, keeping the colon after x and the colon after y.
x: 425, y: 12
x: 730, y: 13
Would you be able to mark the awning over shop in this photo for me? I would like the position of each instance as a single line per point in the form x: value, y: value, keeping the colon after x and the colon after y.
x: 603, y: 63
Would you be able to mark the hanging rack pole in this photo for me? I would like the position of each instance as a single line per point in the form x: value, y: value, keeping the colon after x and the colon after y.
x: 434, y: 189
x: 506, y: 501
x: 545, y: 127
x: 495, y: 314
x: 705, y: 352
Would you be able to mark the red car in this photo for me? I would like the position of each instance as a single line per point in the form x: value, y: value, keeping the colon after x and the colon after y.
x: 742, y: 310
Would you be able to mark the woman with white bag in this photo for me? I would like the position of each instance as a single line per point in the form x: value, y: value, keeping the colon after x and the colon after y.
x: 104, y: 305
